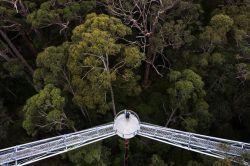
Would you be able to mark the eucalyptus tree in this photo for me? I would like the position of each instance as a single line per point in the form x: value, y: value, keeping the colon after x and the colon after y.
x: 159, y: 25
x: 99, y: 63
x: 240, y: 48
x: 10, y: 53
x: 187, y: 100
x: 44, y: 112
x: 94, y: 65
x: 60, y: 13
x: 13, y: 19
x: 215, y: 34
x: 94, y: 154
x: 239, y: 12
x: 221, y: 58
x: 25, y: 21
x: 52, y: 68
x: 10, y: 9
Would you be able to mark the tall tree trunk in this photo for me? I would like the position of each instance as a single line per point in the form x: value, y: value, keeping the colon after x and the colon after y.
x: 113, y: 100
x: 16, y: 52
x: 146, y: 81
x: 150, y: 58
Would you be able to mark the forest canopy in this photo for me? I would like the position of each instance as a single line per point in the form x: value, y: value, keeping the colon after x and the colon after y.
x: 68, y: 65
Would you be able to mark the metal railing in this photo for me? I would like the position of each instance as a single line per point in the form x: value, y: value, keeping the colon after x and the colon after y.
x: 38, y: 150
x: 211, y: 146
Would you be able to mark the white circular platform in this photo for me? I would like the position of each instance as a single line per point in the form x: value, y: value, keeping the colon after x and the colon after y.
x: 126, y: 128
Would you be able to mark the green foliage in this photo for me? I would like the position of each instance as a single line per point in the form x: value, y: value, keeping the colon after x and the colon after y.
x: 215, y: 34
x: 44, y: 111
x: 93, y: 73
x: 132, y: 58
x: 188, y: 86
x: 174, y: 75
x: 190, y: 124
x: 94, y: 154
x: 225, y: 162
x: 157, y: 161
x: 8, y: 17
x: 176, y: 34
x: 243, y: 71
x: 202, y: 84
x: 186, y: 95
x: 221, y: 22
x: 194, y: 163
x: 51, y: 66
x: 14, y: 68
x: 246, y: 157
x: 112, y: 25
x: 58, y: 13
x: 217, y: 59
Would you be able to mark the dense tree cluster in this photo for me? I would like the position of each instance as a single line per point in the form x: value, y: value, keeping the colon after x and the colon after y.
x: 67, y: 65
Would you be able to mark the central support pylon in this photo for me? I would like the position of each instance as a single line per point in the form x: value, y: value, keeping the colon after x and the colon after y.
x: 126, y: 152
x: 126, y: 125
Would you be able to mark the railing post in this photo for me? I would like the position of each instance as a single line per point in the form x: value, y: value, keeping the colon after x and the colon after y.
x: 16, y: 148
x: 189, y: 141
x: 64, y: 142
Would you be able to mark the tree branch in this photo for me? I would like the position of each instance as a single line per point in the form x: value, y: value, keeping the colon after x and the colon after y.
x: 17, y: 53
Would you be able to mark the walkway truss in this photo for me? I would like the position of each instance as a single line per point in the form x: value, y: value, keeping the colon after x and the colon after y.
x: 35, y: 151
